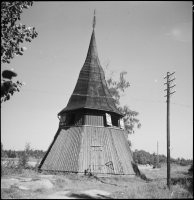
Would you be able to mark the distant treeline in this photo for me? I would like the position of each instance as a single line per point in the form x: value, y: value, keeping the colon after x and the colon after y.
x: 16, y: 154
x: 140, y: 157
x: 143, y: 157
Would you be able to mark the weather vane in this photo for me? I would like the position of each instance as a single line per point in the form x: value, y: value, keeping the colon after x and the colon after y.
x: 94, y: 19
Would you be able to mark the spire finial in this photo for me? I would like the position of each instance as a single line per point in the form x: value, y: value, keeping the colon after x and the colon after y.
x: 94, y: 19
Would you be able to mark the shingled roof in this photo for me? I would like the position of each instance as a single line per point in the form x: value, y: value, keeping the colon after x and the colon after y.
x: 91, y: 89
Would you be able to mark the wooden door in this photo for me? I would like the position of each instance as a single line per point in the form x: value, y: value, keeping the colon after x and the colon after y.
x: 97, y: 159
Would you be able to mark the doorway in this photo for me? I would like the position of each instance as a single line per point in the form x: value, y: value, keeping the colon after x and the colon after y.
x: 97, y: 159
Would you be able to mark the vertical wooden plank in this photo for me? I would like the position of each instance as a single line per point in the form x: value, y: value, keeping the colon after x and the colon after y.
x: 117, y: 158
x: 107, y: 158
x: 81, y: 156
x: 72, y: 150
x: 123, y: 151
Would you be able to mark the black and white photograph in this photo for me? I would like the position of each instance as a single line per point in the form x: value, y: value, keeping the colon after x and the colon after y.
x: 96, y: 100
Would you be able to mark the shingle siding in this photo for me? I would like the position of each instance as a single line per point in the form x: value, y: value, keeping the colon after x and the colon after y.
x: 100, y: 149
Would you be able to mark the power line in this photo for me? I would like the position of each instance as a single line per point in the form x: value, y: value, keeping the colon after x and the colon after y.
x: 67, y: 93
x: 146, y: 100
x: 94, y: 72
x: 57, y: 58
x: 153, y: 101
x: 81, y: 78
x: 41, y: 91
x: 162, y: 102
x: 86, y: 79
x: 64, y: 75
x: 182, y: 105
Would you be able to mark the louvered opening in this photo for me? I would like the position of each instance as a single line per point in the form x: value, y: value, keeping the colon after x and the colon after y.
x: 115, y: 121
x: 62, y: 120
x: 71, y: 119
x: 94, y: 120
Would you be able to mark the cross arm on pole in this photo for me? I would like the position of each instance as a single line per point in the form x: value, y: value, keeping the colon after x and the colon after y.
x: 172, y: 86
x: 172, y: 73
x: 173, y: 92
x: 171, y: 80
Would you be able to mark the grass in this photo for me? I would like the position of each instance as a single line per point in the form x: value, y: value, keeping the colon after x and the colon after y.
x: 156, y: 186
x: 153, y: 190
x: 152, y: 184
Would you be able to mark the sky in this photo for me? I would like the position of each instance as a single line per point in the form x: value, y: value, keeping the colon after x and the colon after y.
x: 145, y: 39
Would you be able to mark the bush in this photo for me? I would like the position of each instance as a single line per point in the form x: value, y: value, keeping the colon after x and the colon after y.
x: 35, y: 168
x: 159, y: 165
x: 23, y: 160
x: 2, y: 169
x: 191, y: 169
x: 10, y: 167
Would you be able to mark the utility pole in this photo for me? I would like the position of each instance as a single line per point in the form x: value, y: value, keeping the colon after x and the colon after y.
x: 169, y: 93
x: 157, y: 156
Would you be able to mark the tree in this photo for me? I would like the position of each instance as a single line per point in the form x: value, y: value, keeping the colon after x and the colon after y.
x: 27, y: 147
x: 151, y: 162
x: 178, y: 160
x: 24, y: 156
x: 11, y: 153
x: 162, y: 159
x: 12, y: 35
x: 7, y: 86
x: 117, y: 89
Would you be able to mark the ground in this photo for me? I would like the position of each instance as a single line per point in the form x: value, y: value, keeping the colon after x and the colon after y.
x: 33, y: 185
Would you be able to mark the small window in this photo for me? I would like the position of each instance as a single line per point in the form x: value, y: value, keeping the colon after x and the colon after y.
x: 63, y: 118
x: 71, y: 118
x: 115, y: 121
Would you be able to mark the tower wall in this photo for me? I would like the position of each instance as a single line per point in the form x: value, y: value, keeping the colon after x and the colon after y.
x: 100, y: 150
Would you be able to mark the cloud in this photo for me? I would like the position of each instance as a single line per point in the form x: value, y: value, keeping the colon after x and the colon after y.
x: 182, y: 32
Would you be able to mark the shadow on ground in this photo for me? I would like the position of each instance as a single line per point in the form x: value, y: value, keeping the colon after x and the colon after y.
x: 85, y: 196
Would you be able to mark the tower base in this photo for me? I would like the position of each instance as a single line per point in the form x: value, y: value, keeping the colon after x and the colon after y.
x: 81, y: 149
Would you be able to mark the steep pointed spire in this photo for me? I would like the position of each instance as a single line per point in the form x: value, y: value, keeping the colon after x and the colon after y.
x: 94, y: 19
x: 91, y: 90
